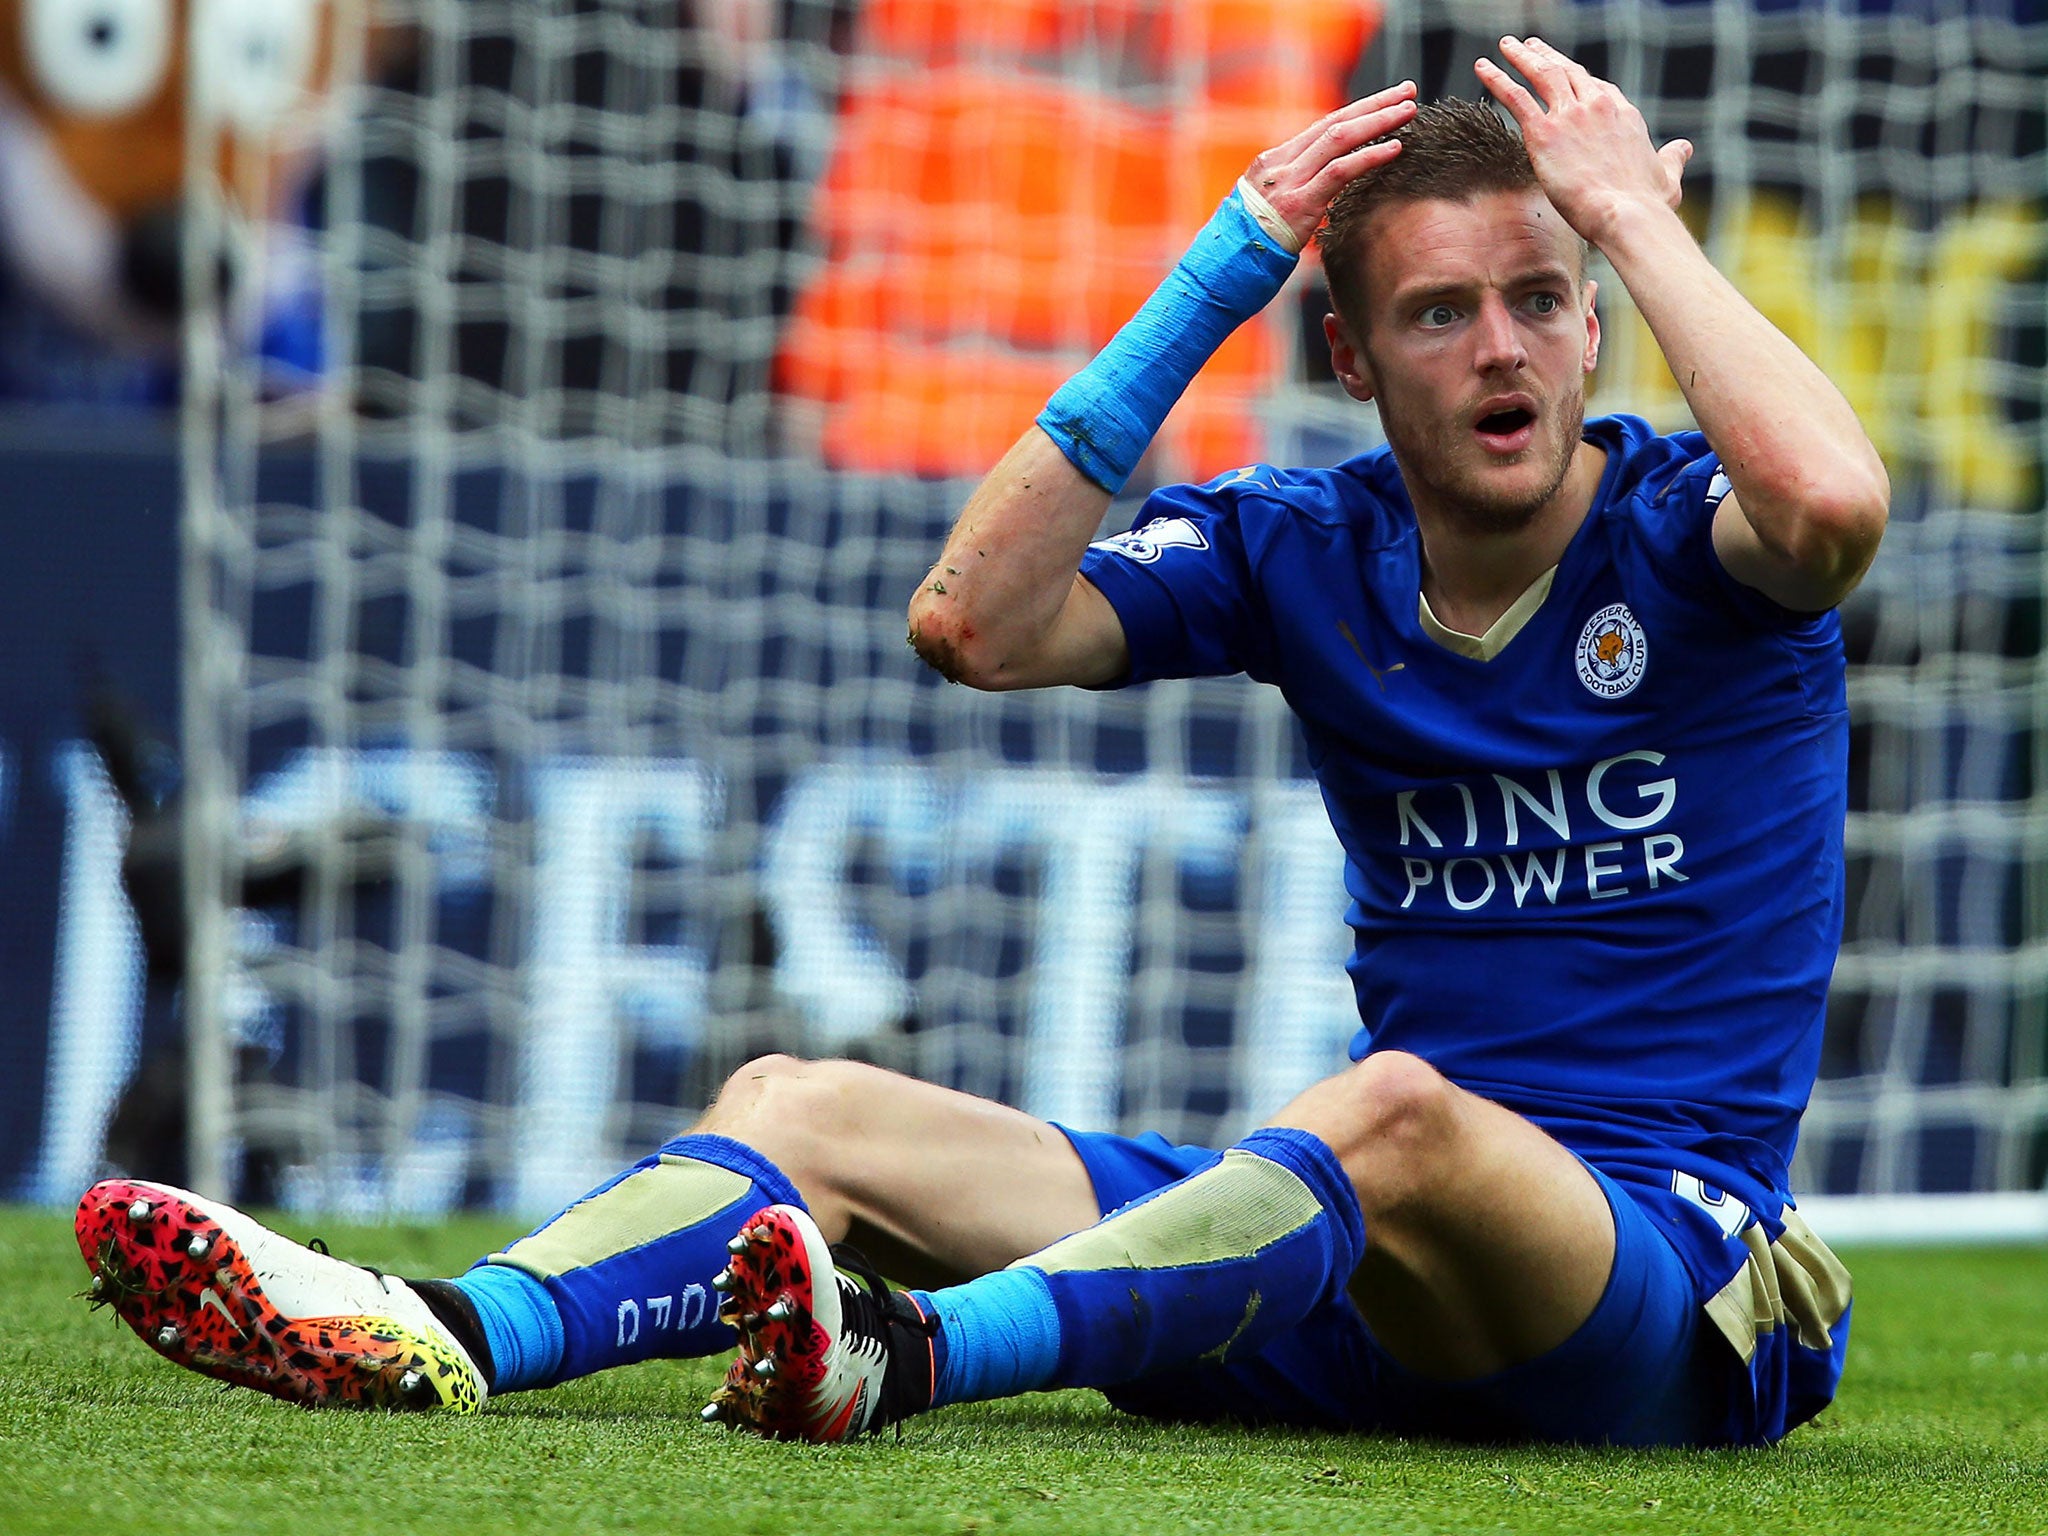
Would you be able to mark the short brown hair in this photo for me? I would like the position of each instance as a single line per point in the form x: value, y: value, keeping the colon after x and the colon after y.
x: 1451, y: 149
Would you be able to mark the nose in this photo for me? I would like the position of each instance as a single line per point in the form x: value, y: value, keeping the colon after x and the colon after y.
x: 1497, y: 338
x: 153, y: 263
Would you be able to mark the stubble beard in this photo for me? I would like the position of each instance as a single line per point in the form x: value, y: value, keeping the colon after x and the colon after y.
x: 1429, y: 454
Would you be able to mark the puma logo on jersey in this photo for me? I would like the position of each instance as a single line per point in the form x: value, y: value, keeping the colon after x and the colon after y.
x: 1379, y: 674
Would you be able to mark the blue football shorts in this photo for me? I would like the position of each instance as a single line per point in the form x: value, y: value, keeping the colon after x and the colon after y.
x: 1646, y: 1368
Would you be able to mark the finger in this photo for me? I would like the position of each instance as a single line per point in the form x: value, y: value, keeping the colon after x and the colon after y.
x: 1543, y: 71
x: 1345, y: 169
x: 1395, y: 98
x: 1339, y: 139
x: 1676, y: 155
x: 1379, y: 101
x: 1581, y: 78
x: 1505, y: 89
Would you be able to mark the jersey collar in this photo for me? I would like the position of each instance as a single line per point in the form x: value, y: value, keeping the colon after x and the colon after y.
x: 1503, y: 629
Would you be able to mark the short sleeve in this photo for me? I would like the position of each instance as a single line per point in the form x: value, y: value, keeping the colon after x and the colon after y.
x: 1181, y: 584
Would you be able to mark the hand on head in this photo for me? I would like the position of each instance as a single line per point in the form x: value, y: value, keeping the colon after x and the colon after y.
x: 1298, y: 178
x: 1588, y: 143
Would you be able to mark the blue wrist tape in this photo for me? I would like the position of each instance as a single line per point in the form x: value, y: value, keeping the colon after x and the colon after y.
x: 1105, y: 416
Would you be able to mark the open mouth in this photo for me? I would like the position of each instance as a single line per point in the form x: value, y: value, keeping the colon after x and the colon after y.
x: 1505, y: 431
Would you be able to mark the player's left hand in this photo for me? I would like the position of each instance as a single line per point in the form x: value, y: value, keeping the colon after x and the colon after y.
x: 1588, y: 143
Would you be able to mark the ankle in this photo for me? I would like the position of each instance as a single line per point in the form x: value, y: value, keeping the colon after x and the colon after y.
x: 453, y: 1309
x: 521, y: 1326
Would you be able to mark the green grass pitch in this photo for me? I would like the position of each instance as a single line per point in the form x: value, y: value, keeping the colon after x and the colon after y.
x: 1942, y: 1426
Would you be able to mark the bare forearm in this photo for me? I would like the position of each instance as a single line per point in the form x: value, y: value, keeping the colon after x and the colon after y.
x: 985, y: 610
x: 1804, y: 471
x: 1005, y: 606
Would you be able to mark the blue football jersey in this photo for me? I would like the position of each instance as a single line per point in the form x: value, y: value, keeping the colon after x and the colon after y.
x: 1597, y: 878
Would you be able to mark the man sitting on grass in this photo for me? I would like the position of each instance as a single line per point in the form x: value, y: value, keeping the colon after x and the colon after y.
x: 1574, y: 692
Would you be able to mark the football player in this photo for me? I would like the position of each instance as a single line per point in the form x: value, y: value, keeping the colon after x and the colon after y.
x: 1574, y: 692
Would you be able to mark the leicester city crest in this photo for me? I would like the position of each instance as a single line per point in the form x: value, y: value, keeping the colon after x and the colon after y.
x: 1612, y: 652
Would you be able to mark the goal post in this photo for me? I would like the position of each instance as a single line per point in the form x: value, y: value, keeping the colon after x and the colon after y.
x: 548, y: 651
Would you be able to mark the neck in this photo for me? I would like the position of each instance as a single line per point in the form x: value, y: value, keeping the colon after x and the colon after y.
x: 1471, y: 575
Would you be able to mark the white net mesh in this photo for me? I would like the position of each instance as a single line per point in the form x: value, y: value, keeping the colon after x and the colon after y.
x: 551, y: 743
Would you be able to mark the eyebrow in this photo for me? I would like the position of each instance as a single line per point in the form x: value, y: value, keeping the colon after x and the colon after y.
x: 1534, y: 277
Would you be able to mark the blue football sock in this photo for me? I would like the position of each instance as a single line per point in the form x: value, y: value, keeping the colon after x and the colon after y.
x: 1215, y: 1266
x: 522, y: 1327
x: 626, y: 1270
x: 998, y: 1336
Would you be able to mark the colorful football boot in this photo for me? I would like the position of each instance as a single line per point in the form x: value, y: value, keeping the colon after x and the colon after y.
x: 219, y: 1293
x: 827, y: 1349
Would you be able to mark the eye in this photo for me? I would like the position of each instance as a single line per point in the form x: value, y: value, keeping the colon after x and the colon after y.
x: 1545, y: 303
x: 98, y: 58
x: 254, y: 57
x: 1439, y: 315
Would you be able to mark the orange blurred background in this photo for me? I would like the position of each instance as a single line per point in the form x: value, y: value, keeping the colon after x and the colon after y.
x: 1010, y: 180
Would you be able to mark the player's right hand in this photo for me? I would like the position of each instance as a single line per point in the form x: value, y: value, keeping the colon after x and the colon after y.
x: 1300, y: 177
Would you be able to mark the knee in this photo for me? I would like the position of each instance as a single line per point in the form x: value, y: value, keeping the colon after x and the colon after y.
x: 1402, y: 1096
x: 1395, y: 1127
x: 750, y: 1084
x: 771, y: 1086
x: 789, y: 1102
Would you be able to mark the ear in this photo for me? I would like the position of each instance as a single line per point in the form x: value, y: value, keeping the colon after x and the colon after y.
x: 1592, y: 357
x: 1347, y: 360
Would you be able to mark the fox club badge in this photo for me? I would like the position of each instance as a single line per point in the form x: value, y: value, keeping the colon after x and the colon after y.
x: 1612, y: 652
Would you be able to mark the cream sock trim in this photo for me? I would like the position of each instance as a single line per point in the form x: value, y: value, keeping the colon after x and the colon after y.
x: 651, y: 1203
x: 1231, y: 1211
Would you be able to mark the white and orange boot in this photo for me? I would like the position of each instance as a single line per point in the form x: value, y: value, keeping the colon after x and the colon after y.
x: 827, y: 1349
x: 220, y: 1293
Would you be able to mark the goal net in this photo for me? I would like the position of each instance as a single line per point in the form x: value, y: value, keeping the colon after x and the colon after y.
x: 548, y: 657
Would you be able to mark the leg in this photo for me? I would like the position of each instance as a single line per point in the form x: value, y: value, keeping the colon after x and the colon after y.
x: 1469, y: 1240
x: 1487, y: 1243
x: 621, y: 1275
x: 624, y: 1274
x: 1472, y: 1240
x: 858, y: 1142
x: 1646, y: 1368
